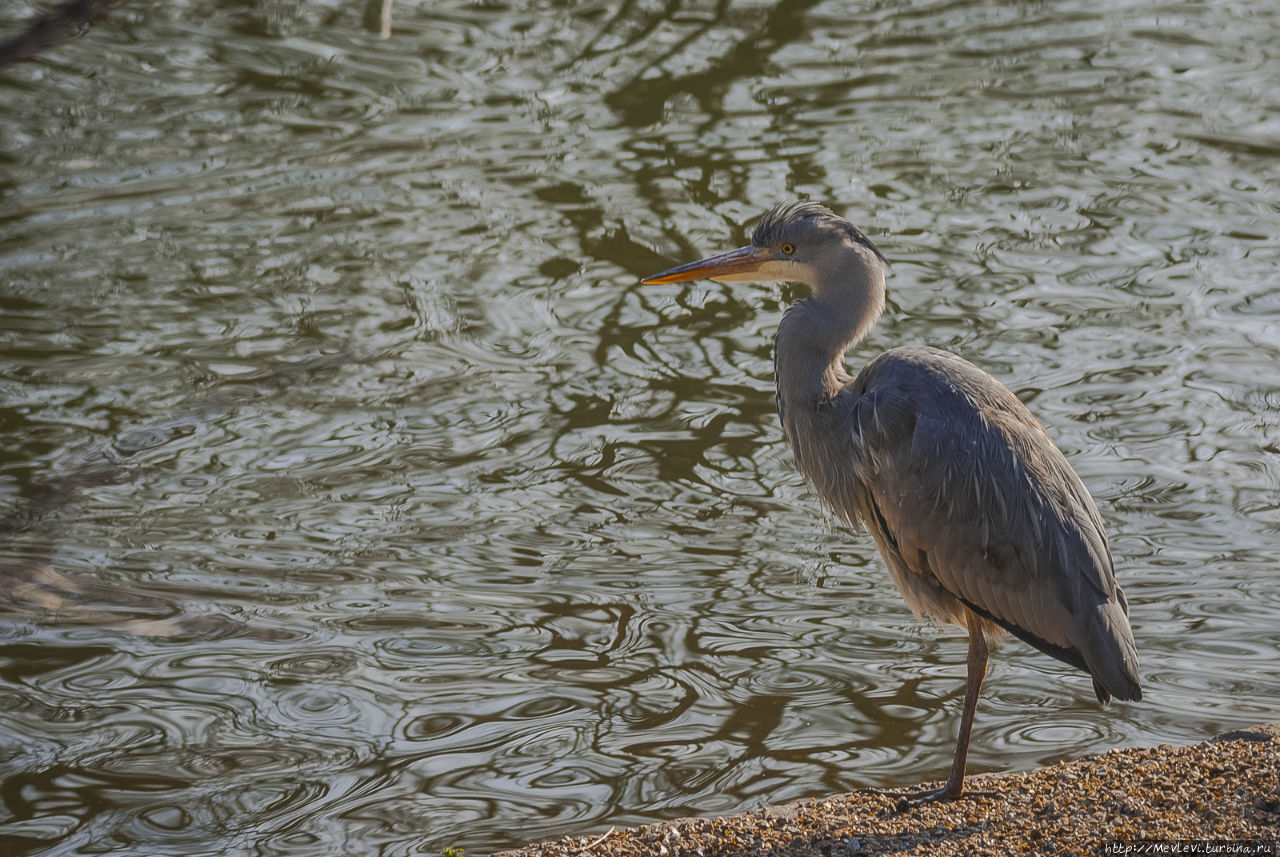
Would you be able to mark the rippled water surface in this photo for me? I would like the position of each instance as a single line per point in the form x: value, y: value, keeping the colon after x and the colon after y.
x: 357, y: 499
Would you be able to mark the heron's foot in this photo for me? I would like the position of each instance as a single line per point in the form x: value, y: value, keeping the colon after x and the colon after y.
x: 908, y: 800
x: 911, y: 800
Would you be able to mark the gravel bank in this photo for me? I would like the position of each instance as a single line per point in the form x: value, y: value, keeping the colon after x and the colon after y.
x: 1220, y: 790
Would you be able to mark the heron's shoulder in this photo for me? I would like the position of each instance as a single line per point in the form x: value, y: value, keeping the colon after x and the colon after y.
x: 921, y: 369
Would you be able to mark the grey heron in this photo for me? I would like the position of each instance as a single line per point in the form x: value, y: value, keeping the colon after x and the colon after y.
x: 976, y: 512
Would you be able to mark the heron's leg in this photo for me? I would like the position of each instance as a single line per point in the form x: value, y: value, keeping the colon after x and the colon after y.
x: 977, y: 663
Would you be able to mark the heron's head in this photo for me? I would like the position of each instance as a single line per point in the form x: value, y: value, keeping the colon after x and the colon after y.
x: 801, y: 242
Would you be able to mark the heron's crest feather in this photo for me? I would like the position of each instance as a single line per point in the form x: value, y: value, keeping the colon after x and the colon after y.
x: 785, y: 220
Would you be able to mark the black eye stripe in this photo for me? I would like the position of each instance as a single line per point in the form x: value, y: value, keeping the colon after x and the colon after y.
x: 780, y: 219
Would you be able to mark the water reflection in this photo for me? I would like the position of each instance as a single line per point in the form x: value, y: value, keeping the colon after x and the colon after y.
x: 358, y: 498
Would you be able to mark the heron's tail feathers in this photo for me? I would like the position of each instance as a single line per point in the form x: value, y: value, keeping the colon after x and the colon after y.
x: 1110, y: 653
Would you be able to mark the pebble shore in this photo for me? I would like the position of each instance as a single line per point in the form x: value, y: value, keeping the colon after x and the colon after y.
x: 1214, y: 793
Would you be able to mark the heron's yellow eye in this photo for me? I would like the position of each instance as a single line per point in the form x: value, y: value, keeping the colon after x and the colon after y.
x: 788, y: 249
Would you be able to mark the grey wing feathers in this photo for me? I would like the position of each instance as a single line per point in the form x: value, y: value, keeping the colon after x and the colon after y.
x: 974, y: 493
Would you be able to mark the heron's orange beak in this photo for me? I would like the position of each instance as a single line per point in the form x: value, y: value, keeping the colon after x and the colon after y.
x: 736, y: 265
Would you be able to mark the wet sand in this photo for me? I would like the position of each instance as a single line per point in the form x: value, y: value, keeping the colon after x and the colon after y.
x: 1214, y: 793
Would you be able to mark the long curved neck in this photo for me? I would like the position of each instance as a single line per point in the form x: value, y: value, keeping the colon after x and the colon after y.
x: 813, y: 336
x: 815, y: 333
